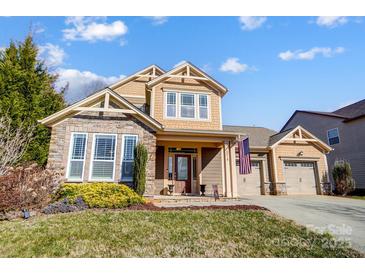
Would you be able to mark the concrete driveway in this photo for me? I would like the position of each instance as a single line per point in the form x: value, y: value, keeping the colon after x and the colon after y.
x: 342, y: 217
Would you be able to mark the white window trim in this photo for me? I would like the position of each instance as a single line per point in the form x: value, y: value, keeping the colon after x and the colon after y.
x: 70, y: 156
x: 338, y: 134
x: 178, y: 105
x: 208, y: 108
x: 122, y: 157
x: 91, y: 179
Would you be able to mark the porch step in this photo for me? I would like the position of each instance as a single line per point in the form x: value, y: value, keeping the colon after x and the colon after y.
x: 164, y: 199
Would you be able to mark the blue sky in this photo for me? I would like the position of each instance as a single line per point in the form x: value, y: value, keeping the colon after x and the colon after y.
x: 271, y: 65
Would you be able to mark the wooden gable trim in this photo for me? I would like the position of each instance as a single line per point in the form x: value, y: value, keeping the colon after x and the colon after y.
x: 192, y: 72
x: 105, y: 94
x: 152, y: 71
x: 300, y: 130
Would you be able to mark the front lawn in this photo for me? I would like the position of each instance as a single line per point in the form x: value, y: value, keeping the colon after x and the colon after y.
x: 176, y: 233
x: 357, y: 197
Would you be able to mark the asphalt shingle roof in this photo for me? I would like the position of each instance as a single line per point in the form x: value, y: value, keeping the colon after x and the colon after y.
x: 353, y: 110
x: 259, y: 136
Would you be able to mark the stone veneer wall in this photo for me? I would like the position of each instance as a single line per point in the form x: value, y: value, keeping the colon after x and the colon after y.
x: 95, y: 123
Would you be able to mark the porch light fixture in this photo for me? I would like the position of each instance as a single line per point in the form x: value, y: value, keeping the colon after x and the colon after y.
x: 300, y: 153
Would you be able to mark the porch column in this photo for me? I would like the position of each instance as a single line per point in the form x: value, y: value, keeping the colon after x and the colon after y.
x: 166, y: 166
x: 227, y: 169
x: 199, y: 169
x: 232, y: 150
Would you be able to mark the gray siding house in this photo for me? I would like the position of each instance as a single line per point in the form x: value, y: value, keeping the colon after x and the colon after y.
x: 343, y: 130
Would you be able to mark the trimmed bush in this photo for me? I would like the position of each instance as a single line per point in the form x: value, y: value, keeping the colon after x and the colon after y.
x: 342, y: 175
x: 139, y: 174
x: 100, y: 195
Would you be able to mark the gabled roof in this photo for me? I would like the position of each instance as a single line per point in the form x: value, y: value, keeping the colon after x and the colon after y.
x: 352, y: 111
x: 259, y: 136
x: 199, y: 75
x: 347, y: 113
x: 281, y: 136
x: 152, y: 70
x: 79, y: 107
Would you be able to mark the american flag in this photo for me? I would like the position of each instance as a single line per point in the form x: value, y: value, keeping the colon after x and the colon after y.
x: 244, y: 156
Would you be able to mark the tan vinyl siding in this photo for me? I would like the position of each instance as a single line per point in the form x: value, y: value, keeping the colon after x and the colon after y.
x: 135, y: 87
x: 212, y: 169
x: 214, y: 121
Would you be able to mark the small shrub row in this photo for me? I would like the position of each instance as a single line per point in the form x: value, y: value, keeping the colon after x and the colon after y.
x: 100, y: 195
x: 27, y: 187
x: 65, y: 206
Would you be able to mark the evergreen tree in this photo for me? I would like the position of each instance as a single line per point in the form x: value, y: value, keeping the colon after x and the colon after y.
x: 27, y: 94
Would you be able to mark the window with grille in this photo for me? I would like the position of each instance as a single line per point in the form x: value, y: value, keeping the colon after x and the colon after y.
x: 129, y: 143
x: 171, y: 104
x: 203, y: 106
x: 77, y: 156
x: 103, y: 157
x: 187, y: 105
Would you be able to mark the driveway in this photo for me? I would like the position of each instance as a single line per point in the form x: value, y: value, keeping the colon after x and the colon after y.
x: 342, y: 217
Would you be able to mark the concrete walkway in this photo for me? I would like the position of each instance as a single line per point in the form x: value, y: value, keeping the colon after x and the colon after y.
x: 342, y: 217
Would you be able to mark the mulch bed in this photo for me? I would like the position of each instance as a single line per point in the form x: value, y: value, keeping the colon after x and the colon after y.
x: 152, y: 207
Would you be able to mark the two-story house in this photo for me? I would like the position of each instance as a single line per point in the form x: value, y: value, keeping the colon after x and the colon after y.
x: 343, y: 130
x: 177, y: 115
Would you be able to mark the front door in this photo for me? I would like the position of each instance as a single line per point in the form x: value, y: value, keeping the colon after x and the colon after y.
x: 183, y: 174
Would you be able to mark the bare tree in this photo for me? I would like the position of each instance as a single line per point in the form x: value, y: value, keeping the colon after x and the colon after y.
x: 13, y: 142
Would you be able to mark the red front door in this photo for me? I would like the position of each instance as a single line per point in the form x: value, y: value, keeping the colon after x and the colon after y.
x: 183, y: 173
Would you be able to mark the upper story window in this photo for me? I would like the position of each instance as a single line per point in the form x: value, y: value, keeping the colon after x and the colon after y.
x: 171, y: 104
x: 333, y: 136
x: 183, y: 105
x: 187, y: 105
x: 203, y: 106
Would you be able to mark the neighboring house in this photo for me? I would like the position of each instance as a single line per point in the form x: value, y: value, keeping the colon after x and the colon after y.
x: 343, y: 130
x: 177, y: 115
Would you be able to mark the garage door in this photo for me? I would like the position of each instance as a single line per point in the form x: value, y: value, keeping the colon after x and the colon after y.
x: 250, y: 184
x: 300, y: 177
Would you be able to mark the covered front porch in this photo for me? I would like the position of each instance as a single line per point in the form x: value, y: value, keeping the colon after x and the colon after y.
x: 187, y: 160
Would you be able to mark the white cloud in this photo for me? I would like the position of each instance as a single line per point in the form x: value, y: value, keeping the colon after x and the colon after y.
x: 52, y: 54
x: 93, y: 29
x: 251, y: 22
x: 179, y: 63
x: 82, y: 83
x: 233, y: 65
x: 331, y: 21
x: 310, y: 54
x: 159, y: 20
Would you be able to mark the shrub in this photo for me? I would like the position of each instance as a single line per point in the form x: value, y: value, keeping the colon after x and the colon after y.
x: 27, y: 187
x: 342, y: 175
x: 65, y: 206
x: 139, y: 175
x: 101, y: 195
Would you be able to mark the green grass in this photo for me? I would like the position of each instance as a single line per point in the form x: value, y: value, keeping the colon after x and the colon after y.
x: 357, y: 197
x: 185, y: 233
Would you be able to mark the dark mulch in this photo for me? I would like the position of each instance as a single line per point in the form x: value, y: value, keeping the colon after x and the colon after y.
x: 152, y: 207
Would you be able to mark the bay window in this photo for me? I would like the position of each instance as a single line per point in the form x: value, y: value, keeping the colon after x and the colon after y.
x: 128, y: 145
x: 77, y: 156
x: 103, y: 158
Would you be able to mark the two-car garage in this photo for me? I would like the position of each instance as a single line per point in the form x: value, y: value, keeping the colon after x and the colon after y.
x: 292, y: 162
